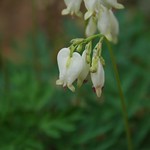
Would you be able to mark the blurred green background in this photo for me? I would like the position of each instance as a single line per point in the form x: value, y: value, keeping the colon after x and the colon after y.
x: 35, y: 114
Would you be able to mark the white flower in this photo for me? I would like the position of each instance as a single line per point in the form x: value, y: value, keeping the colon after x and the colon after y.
x: 85, y: 69
x: 90, y: 6
x: 98, y: 79
x: 108, y: 25
x: 114, y: 27
x: 111, y: 3
x: 73, y: 7
x: 91, y: 27
x: 69, y: 68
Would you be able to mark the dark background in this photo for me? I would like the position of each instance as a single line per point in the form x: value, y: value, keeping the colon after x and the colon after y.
x: 35, y: 114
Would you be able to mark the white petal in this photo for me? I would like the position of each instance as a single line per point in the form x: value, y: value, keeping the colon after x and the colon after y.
x: 112, y: 3
x: 108, y: 25
x: 115, y: 4
x: 104, y: 25
x: 59, y: 82
x: 85, y: 70
x: 62, y: 60
x: 88, y: 14
x: 73, y: 7
x: 67, y: 2
x: 114, y: 26
x: 65, y: 12
x: 90, y: 6
x: 71, y: 87
x: 74, y: 68
x: 98, y: 79
x: 91, y: 27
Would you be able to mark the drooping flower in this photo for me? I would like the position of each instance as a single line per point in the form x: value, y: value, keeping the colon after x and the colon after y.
x: 69, y: 68
x: 91, y: 27
x: 111, y: 3
x: 85, y: 69
x: 73, y: 7
x: 114, y: 27
x: 98, y: 79
x: 108, y: 24
x: 90, y: 6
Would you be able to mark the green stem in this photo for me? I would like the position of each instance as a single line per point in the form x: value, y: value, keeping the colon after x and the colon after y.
x: 122, y: 98
x: 79, y: 41
x: 92, y: 37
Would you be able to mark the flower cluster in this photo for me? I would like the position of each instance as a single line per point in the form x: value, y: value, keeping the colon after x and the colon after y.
x: 72, y: 66
x: 99, y: 16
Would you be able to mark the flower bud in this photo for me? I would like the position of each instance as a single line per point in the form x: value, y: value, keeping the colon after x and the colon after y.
x: 79, y: 48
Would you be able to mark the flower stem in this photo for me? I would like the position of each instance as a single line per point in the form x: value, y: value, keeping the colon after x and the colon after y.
x: 86, y: 40
x: 122, y: 98
x: 92, y: 37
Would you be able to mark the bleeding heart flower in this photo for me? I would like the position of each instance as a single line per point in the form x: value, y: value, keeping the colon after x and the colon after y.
x: 108, y: 25
x: 73, y: 7
x: 98, y: 79
x: 69, y: 68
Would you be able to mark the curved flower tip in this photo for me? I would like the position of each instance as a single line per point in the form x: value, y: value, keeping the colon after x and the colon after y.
x: 71, y: 87
x: 90, y: 6
x: 87, y: 15
x: 59, y: 82
x: 119, y: 6
x: 98, y: 91
x: 69, y: 68
x: 98, y: 79
x: 65, y: 12
x: 112, y: 3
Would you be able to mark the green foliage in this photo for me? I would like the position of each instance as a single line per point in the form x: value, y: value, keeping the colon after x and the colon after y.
x: 37, y: 115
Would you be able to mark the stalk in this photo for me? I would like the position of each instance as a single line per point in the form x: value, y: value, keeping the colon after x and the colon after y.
x: 122, y: 98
